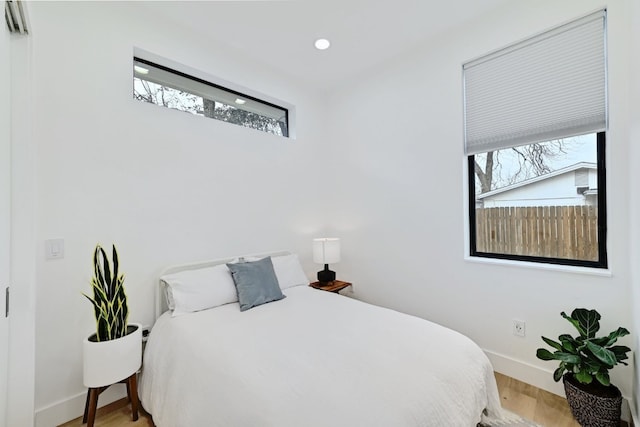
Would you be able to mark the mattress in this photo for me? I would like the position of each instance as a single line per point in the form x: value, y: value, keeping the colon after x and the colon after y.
x: 313, y: 359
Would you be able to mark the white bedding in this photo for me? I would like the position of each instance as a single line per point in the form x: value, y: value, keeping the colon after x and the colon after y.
x: 313, y: 359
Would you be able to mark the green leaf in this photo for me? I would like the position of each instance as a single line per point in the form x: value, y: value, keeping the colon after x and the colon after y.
x: 552, y: 343
x: 107, y: 272
x: 605, y: 356
x: 592, y: 364
x: 98, y: 277
x: 544, y: 354
x: 602, y: 341
x: 114, y: 256
x: 613, y: 336
x: 557, y: 374
x: 95, y: 304
x: 566, y: 357
x: 586, y: 321
x: 584, y: 377
x: 569, y: 344
x: 573, y: 321
x: 621, y: 352
x: 603, y: 378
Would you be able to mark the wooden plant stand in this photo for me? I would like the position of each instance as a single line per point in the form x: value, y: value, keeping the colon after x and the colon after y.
x: 92, y: 399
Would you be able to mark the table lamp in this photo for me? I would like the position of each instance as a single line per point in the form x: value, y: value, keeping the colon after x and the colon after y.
x: 326, y: 250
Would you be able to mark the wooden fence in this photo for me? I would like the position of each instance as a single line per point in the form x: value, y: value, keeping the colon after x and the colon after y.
x: 548, y: 231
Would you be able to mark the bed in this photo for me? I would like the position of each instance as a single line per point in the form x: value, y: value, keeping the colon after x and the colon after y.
x: 310, y: 358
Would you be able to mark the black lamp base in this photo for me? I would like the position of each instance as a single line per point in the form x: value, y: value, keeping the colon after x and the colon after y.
x: 326, y: 275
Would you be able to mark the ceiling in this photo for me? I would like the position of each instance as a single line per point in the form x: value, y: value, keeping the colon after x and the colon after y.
x: 281, y: 33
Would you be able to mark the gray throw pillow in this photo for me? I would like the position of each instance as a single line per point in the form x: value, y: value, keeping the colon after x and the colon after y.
x: 256, y: 283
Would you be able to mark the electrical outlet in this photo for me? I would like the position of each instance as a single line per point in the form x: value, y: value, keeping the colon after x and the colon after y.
x: 518, y: 328
x: 145, y: 332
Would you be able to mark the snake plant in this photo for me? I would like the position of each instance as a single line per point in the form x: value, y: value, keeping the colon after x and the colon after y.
x: 109, y: 298
x: 586, y: 356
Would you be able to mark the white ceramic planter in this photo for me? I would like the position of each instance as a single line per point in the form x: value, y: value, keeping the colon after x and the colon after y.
x: 109, y: 362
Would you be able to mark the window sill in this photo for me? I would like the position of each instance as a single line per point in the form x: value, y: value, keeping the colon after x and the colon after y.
x: 541, y: 266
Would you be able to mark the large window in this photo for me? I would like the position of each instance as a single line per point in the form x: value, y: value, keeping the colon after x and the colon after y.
x: 169, y: 88
x: 541, y: 202
x: 535, y: 131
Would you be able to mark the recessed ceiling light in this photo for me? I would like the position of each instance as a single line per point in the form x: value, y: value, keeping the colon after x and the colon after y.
x: 140, y: 70
x: 240, y: 101
x: 322, y: 44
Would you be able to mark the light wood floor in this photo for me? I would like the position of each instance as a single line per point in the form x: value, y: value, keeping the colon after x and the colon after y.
x: 540, y: 406
x: 547, y: 409
x: 116, y: 414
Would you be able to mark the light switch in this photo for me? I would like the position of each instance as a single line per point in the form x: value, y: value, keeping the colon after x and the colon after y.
x: 54, y: 248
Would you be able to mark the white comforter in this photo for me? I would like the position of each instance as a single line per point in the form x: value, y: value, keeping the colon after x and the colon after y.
x: 313, y: 359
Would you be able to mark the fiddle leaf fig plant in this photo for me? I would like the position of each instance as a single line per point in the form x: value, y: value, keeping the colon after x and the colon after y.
x: 586, y: 356
x: 109, y: 298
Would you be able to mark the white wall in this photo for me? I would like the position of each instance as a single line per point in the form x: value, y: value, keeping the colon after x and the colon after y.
x: 634, y: 196
x: 23, y: 245
x: 398, y: 137
x: 166, y: 187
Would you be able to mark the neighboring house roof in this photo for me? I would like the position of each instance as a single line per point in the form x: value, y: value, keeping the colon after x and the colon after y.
x: 581, y: 165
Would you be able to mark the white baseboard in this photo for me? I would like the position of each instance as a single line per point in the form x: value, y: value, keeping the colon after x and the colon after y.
x: 634, y: 413
x: 73, y: 407
x: 542, y: 379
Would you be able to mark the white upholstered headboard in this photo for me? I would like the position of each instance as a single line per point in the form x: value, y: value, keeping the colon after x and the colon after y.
x: 160, y: 294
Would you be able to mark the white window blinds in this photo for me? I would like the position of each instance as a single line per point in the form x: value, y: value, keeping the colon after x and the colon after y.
x: 550, y: 86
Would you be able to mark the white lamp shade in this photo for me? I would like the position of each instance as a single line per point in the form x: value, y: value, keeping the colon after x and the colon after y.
x: 326, y: 250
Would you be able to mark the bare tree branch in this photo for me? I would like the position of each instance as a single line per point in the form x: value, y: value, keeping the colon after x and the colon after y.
x: 529, y: 161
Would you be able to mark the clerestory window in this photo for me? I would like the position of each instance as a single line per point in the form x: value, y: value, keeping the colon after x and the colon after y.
x: 160, y: 85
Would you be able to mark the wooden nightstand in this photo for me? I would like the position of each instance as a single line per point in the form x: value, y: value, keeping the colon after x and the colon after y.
x: 335, y: 286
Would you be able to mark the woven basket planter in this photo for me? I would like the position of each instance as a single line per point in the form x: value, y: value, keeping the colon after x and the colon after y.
x: 591, y: 410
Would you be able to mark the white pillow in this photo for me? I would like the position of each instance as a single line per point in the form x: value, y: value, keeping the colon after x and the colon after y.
x: 245, y: 259
x: 289, y: 271
x: 195, y: 290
